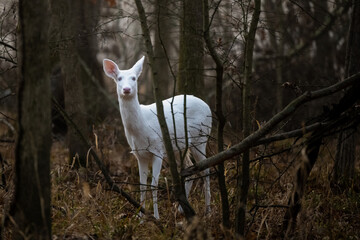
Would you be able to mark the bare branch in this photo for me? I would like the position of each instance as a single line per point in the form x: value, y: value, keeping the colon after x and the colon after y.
x: 268, y: 126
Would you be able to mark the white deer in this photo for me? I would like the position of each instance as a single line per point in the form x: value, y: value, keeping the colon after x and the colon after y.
x: 143, y: 131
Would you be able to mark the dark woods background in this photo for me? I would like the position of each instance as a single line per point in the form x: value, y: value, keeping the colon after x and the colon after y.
x: 51, y: 54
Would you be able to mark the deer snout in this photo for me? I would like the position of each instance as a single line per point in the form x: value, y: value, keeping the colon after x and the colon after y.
x: 126, y: 90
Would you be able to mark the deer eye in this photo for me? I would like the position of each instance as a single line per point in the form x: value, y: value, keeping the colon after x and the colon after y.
x: 133, y: 78
x: 119, y: 78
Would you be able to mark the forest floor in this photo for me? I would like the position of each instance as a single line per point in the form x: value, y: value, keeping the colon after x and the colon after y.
x: 84, y: 207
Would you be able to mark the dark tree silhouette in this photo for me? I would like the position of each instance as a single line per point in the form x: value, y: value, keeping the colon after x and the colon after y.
x: 31, y: 206
x: 191, y: 59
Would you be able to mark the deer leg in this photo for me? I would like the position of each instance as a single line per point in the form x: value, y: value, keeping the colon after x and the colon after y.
x: 199, y: 155
x: 156, y: 168
x: 143, y: 173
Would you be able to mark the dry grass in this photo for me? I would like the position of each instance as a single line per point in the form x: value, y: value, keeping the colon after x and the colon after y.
x: 85, y: 208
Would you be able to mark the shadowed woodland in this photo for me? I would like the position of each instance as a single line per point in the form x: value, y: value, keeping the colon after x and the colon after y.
x: 282, y: 79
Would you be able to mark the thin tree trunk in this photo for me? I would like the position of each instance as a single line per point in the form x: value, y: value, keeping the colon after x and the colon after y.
x: 274, y: 14
x: 219, y: 113
x: 345, y: 155
x: 30, y: 210
x: 95, y: 104
x: 243, y: 179
x: 191, y: 62
x: 179, y: 190
x: 164, y: 27
x: 344, y: 161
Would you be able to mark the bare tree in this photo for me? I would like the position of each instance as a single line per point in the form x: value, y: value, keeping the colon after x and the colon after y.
x: 219, y: 113
x: 30, y: 209
x: 244, y: 177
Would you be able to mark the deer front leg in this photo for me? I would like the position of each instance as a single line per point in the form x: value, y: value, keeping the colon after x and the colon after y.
x: 143, y: 173
x: 156, y: 168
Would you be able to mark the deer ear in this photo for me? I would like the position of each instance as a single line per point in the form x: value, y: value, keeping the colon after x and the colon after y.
x: 138, y: 66
x: 110, y: 68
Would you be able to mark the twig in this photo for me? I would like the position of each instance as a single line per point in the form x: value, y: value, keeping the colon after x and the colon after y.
x: 8, y: 45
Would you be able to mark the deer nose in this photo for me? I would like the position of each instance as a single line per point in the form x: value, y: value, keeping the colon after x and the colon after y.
x: 126, y: 90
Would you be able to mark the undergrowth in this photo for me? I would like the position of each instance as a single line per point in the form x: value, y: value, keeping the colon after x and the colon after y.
x: 84, y: 207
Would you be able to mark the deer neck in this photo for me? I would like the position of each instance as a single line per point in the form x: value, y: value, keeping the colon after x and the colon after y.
x: 131, y: 115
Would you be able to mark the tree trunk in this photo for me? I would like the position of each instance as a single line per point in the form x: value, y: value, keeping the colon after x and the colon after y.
x: 191, y: 62
x: 219, y: 114
x: 31, y: 207
x: 77, y: 21
x: 95, y: 103
x: 243, y: 179
x: 345, y: 155
x: 161, y: 42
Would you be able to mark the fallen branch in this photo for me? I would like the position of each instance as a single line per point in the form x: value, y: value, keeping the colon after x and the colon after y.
x: 268, y: 126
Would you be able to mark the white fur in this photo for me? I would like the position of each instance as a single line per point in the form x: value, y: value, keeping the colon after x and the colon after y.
x: 143, y: 132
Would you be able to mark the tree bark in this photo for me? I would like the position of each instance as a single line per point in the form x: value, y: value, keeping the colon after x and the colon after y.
x: 191, y: 62
x: 31, y: 207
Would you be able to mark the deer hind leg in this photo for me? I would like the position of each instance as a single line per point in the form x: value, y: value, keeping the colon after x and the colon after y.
x: 156, y: 168
x: 198, y: 153
x: 188, y: 183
